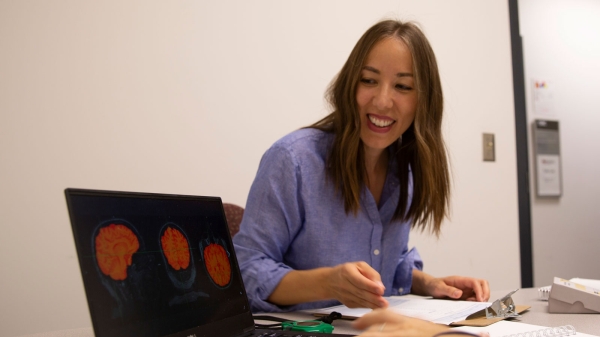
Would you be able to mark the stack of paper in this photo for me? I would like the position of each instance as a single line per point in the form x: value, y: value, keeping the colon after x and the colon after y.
x: 433, y: 310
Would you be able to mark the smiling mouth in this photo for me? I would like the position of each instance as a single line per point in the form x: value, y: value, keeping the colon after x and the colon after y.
x: 381, y: 123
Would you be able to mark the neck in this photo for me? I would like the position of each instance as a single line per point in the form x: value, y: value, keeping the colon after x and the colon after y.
x: 375, y: 160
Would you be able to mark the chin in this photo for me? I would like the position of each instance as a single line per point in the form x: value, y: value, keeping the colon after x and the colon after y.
x: 378, y: 145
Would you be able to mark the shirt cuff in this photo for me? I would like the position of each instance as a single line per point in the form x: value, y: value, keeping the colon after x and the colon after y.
x: 403, y: 277
x: 261, y: 282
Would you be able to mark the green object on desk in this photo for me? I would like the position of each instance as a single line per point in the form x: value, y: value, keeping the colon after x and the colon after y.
x: 307, y: 326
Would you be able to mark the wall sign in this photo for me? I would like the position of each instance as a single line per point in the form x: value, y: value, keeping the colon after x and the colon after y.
x: 547, y: 158
x: 543, y: 100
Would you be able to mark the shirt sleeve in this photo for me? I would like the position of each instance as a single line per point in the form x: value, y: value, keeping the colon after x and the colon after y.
x: 403, y: 277
x: 272, y: 216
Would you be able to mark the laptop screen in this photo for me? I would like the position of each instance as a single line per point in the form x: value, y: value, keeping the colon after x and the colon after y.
x: 157, y: 265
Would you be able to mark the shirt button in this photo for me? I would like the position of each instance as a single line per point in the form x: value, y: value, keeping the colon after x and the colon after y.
x: 400, y: 290
x: 376, y: 252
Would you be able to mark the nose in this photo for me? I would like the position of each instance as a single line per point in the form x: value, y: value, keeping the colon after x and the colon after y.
x: 383, y: 98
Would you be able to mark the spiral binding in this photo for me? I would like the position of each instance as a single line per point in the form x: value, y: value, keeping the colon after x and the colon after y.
x: 559, y: 331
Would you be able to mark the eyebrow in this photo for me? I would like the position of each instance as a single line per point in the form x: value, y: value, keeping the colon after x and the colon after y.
x: 376, y: 71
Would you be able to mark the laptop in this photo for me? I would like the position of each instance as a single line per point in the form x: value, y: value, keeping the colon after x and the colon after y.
x: 160, y: 265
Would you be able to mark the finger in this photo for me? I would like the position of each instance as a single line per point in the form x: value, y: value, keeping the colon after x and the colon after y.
x: 356, y: 302
x: 444, y: 290
x: 477, y: 289
x: 482, y: 290
x: 385, y: 305
x: 364, y: 291
x: 372, y: 275
x: 471, y: 299
x: 486, y: 291
x: 368, y: 271
x: 358, y: 298
x: 454, y: 292
x: 356, y: 277
x: 353, y: 304
x: 364, y: 299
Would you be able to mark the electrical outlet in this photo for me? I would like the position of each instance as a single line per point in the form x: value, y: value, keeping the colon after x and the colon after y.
x: 489, y: 147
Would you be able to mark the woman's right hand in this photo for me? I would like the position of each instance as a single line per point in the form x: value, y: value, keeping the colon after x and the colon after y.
x: 356, y: 285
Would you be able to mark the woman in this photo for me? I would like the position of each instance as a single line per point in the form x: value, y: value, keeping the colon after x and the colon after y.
x: 329, y: 213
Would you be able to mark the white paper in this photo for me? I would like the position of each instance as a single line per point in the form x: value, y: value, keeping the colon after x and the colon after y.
x: 433, y: 310
x: 587, y: 282
x: 543, y: 100
x: 508, y: 328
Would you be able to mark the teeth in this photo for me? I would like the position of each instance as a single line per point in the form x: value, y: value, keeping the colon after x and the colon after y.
x: 380, y: 122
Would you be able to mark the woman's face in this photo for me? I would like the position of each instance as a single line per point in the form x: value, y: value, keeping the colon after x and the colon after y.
x: 386, y: 95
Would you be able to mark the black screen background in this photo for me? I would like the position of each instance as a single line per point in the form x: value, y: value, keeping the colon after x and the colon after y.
x: 148, y: 302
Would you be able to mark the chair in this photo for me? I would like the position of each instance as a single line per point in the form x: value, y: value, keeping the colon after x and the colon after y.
x: 233, y: 214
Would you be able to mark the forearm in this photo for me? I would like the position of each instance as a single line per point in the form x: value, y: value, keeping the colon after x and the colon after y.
x: 419, y: 282
x: 300, y: 286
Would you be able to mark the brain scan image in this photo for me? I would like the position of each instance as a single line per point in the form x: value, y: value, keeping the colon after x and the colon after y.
x: 176, y: 248
x: 115, y: 246
x: 216, y: 260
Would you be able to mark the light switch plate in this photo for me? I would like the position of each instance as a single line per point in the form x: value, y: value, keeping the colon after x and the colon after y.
x: 489, y: 147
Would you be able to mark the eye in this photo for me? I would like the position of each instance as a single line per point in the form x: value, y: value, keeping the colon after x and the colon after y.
x: 403, y: 87
x: 365, y: 80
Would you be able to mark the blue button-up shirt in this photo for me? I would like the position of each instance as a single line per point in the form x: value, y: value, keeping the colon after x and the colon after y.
x: 295, y: 219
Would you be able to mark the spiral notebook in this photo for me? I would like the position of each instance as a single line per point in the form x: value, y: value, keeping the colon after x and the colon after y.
x: 517, y: 329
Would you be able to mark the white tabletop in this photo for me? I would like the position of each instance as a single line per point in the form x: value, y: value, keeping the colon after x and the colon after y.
x: 538, y: 315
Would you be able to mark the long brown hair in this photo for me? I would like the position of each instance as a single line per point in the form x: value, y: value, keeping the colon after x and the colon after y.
x: 421, y: 148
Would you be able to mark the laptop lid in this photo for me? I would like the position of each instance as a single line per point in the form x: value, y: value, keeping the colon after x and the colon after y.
x: 157, y: 264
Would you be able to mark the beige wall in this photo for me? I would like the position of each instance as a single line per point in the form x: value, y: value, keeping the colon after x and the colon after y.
x: 185, y: 96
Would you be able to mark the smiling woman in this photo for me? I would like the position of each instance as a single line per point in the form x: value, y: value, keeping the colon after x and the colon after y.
x: 329, y: 213
x: 399, y: 50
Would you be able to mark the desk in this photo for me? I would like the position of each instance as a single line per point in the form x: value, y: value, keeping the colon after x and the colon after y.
x: 538, y: 315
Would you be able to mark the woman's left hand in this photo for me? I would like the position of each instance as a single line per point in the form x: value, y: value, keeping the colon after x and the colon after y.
x: 459, y: 288
x: 454, y: 287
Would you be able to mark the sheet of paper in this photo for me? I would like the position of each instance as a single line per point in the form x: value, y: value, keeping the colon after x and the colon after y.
x: 433, y: 310
x: 587, y: 282
x: 508, y: 328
